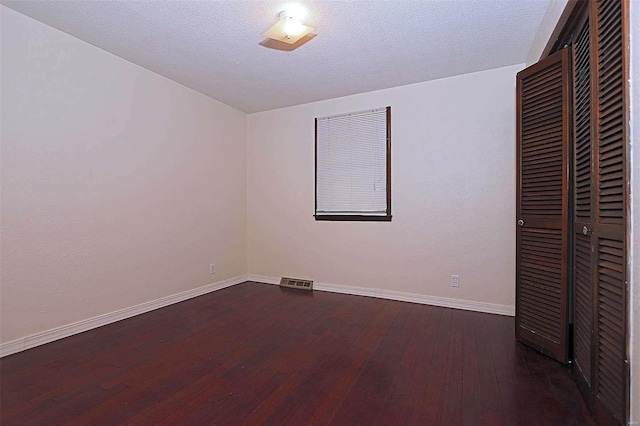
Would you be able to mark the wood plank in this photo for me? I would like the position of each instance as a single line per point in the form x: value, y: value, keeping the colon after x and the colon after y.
x: 253, y: 354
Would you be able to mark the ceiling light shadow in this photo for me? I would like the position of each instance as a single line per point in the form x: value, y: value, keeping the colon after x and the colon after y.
x: 286, y: 47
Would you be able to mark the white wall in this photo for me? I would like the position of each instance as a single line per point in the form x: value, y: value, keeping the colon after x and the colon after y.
x: 453, y: 193
x: 634, y: 338
x: 549, y: 22
x: 119, y: 186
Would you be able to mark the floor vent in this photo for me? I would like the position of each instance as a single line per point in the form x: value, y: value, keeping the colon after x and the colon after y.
x: 296, y: 283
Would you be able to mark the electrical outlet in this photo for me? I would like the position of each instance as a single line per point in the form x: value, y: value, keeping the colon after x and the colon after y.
x: 455, y: 280
x: 212, y: 268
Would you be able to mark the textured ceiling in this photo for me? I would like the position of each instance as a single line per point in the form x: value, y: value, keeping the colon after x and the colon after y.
x: 361, y: 45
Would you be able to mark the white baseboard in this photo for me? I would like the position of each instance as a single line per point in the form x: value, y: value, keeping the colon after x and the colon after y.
x: 47, y: 336
x: 446, y: 302
x: 51, y: 335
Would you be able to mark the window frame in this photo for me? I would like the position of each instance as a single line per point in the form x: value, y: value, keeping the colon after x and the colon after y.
x: 355, y: 217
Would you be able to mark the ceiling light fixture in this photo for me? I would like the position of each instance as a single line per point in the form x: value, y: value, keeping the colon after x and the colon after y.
x: 288, y: 29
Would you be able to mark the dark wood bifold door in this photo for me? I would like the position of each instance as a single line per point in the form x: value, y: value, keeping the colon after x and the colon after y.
x: 599, y: 216
x: 572, y: 204
x: 610, y: 212
x: 583, y: 175
x: 543, y: 206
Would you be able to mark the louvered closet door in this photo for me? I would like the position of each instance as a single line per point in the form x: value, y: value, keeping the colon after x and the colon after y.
x: 583, y: 256
x: 542, y: 206
x: 611, y: 387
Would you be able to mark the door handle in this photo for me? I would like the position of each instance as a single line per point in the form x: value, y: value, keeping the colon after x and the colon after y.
x: 521, y: 222
x: 586, y: 230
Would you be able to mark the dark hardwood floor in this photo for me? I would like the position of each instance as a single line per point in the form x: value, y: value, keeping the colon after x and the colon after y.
x: 258, y: 354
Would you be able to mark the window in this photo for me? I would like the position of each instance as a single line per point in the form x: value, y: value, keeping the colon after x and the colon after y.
x: 353, y: 166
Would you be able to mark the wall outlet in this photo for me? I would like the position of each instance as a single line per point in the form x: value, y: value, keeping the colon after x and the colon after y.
x: 455, y: 280
x: 212, y: 268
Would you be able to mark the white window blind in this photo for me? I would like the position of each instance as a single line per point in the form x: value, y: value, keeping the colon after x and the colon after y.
x: 351, y: 164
